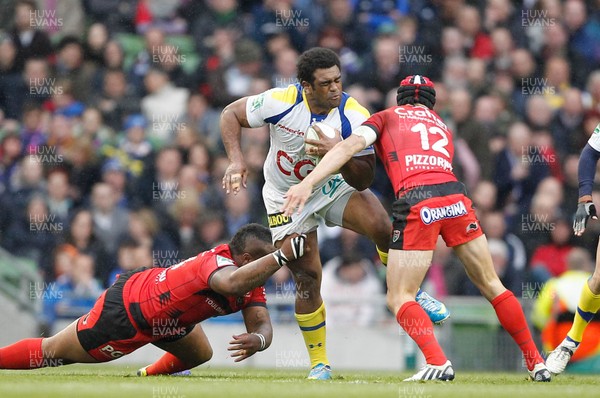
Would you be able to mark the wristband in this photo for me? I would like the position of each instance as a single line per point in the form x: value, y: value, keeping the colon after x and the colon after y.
x: 280, y: 258
x: 263, y: 341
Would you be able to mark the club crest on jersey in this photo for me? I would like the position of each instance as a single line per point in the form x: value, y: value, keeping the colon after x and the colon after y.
x: 257, y: 102
x: 224, y: 261
x: 431, y: 215
x: 278, y: 220
x: 472, y: 227
x: 396, y: 236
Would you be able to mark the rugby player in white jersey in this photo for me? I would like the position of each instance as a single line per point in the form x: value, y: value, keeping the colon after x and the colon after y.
x: 342, y: 200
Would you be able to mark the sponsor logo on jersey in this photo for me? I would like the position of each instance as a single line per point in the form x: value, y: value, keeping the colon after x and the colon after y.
x: 257, y: 102
x: 424, y: 161
x: 419, y: 114
x: 215, y: 306
x: 597, y: 129
x: 431, y: 215
x: 224, y: 261
x: 278, y: 220
x: 290, y: 130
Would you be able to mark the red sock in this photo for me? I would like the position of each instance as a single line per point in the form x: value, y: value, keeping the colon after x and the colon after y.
x: 417, y: 324
x: 167, y: 364
x: 24, y: 354
x: 511, y: 317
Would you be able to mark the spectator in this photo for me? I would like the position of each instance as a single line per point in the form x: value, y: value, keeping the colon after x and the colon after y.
x: 516, y: 174
x: 33, y: 234
x: 218, y: 15
x: 201, y: 117
x: 80, y: 236
x: 70, y: 63
x: 115, y: 102
x: 556, y: 44
x: 186, y: 212
x: 344, y: 280
x: 10, y: 148
x: 584, y: 34
x: 115, y: 175
x: 232, y: 80
x: 9, y: 79
x: 164, y: 106
x: 59, y: 202
x: 567, y: 125
x: 74, y: 292
x: 29, y: 40
x: 110, y: 221
x: 159, y: 14
x: 95, y: 44
x: 555, y: 307
x: 126, y: 260
x: 144, y: 228
x: 346, y: 241
x: 494, y: 226
x: 341, y: 16
x: 477, y: 42
x: 470, y: 130
x: 550, y: 260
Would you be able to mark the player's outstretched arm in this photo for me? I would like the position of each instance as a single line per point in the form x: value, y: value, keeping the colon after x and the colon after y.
x: 587, y: 170
x: 233, y: 118
x: 258, y: 337
x: 340, y: 154
x: 232, y: 281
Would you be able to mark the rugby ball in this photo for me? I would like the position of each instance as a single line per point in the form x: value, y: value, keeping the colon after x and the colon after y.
x: 311, y: 134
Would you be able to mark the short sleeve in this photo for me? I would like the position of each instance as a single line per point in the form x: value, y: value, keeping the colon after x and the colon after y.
x: 356, y: 114
x: 211, y: 264
x: 258, y: 297
x: 262, y: 108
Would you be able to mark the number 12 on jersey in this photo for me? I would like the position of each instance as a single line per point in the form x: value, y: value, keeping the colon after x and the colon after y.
x: 438, y: 146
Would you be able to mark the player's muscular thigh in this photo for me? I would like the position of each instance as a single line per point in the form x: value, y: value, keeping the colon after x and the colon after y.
x: 365, y: 214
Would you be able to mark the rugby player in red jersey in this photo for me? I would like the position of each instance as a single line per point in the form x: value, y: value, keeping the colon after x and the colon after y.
x: 163, y: 306
x: 416, y: 149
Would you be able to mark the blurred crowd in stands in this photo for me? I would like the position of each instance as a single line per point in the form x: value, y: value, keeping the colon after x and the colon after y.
x: 110, y: 151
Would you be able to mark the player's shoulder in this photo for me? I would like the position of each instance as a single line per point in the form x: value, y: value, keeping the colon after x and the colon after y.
x: 275, y: 99
x: 349, y: 104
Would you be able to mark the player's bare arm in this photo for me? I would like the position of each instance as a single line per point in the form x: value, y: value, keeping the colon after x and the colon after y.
x: 233, y: 118
x: 236, y: 281
x: 340, y: 154
x: 258, y: 337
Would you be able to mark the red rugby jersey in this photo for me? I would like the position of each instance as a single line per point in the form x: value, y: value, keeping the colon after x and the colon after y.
x: 414, y: 145
x: 182, y: 292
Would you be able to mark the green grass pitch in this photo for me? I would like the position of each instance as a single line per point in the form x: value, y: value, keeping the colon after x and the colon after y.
x: 82, y: 381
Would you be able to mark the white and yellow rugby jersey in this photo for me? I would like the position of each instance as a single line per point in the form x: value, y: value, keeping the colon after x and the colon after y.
x: 287, y: 112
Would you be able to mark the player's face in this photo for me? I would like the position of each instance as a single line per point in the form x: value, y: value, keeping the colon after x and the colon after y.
x: 256, y: 249
x: 326, y: 90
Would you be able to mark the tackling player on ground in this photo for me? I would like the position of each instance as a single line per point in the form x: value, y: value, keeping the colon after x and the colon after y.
x: 163, y: 306
x: 416, y: 149
x: 342, y: 199
x: 589, y: 300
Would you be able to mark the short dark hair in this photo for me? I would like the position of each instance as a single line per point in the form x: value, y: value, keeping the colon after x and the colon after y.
x: 313, y: 59
x: 239, y: 241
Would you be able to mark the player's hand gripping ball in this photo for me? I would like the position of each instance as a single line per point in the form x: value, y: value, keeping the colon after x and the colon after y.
x: 313, y: 134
